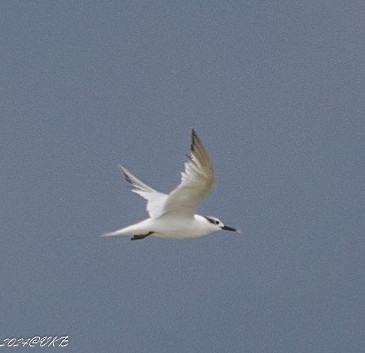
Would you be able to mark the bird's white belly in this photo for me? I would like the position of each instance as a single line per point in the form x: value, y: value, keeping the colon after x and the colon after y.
x: 178, y: 228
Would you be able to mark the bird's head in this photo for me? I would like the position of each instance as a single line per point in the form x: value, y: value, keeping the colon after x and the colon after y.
x: 218, y: 225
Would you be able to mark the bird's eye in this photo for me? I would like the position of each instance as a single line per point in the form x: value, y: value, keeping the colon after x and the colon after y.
x: 212, y: 220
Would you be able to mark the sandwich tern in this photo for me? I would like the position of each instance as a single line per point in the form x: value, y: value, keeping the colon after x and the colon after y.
x: 172, y: 215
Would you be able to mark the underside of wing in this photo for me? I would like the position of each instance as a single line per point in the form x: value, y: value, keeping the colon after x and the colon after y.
x: 197, y: 180
x: 155, y: 199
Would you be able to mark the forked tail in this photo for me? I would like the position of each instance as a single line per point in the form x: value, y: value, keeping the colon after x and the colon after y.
x: 116, y: 233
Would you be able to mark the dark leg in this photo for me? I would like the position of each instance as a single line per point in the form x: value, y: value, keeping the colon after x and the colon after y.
x: 141, y: 236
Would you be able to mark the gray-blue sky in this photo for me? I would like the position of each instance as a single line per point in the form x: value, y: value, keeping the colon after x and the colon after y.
x: 276, y: 91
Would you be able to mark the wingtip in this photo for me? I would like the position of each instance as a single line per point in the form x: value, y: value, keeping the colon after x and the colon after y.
x: 121, y: 168
x: 194, y: 135
x: 195, y: 140
x: 125, y: 173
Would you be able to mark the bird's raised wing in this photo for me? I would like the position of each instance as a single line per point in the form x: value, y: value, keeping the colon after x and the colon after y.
x: 155, y: 199
x: 197, y: 181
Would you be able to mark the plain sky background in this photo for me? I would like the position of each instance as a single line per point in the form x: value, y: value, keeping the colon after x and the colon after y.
x: 275, y: 90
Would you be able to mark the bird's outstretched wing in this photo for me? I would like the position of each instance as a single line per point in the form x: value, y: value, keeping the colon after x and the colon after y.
x: 155, y: 199
x: 197, y: 180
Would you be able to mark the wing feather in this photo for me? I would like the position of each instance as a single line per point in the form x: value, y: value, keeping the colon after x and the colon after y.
x: 197, y: 180
x: 155, y: 199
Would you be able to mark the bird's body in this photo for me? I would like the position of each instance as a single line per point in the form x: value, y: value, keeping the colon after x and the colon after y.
x: 172, y: 215
x: 168, y: 226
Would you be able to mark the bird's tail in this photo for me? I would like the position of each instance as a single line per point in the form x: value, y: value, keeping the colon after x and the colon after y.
x: 116, y: 233
x: 134, y: 229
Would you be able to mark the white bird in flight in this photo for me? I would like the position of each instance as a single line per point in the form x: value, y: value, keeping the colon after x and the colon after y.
x: 172, y: 215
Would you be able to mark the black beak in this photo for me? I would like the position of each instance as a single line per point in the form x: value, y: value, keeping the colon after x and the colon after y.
x: 231, y: 229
